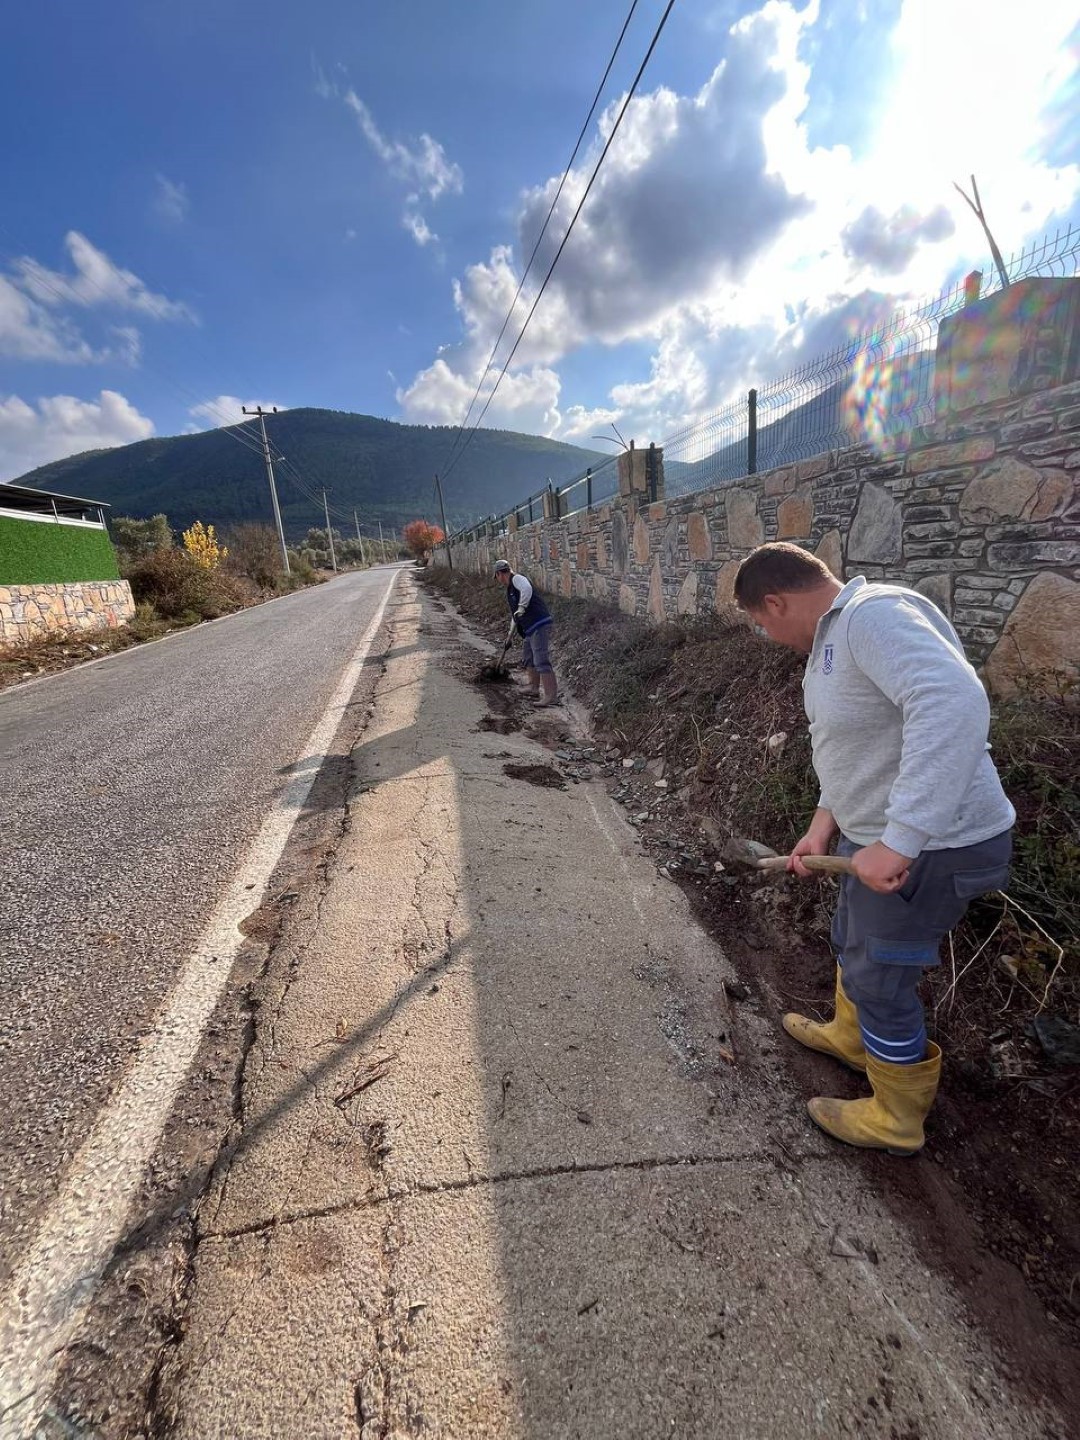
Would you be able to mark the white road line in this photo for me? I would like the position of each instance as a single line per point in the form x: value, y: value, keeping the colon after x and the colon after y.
x: 48, y: 1294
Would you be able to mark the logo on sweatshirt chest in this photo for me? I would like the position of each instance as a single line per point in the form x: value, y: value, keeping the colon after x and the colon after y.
x: 827, y: 661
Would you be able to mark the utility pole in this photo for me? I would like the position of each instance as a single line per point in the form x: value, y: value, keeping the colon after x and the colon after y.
x: 446, y: 532
x: 382, y: 547
x: 270, y: 475
x: 329, y: 532
x: 356, y: 522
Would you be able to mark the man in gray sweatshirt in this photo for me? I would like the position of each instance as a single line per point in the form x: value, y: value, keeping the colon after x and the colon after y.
x: 898, y: 725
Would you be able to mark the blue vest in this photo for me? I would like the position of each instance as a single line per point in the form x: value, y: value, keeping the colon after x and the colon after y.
x: 536, y: 612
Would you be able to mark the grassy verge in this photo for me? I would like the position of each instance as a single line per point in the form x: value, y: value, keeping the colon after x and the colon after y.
x: 171, y: 593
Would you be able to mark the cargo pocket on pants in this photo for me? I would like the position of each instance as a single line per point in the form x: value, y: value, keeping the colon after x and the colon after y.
x: 968, y: 885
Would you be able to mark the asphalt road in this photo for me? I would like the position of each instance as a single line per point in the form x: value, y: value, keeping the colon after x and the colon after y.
x: 130, y: 790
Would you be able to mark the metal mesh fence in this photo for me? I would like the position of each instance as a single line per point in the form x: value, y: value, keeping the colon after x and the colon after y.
x: 875, y: 388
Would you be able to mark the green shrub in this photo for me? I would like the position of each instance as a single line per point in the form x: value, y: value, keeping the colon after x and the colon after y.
x: 135, y: 539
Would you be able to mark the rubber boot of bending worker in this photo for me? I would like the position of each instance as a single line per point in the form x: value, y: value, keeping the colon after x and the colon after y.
x: 892, y: 1118
x: 532, y: 683
x: 840, y: 1037
x: 549, y: 687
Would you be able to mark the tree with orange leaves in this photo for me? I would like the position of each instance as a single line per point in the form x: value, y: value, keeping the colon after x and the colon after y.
x: 421, y: 538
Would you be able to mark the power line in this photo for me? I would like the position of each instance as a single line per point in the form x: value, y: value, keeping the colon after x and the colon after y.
x: 566, y: 237
x: 543, y: 229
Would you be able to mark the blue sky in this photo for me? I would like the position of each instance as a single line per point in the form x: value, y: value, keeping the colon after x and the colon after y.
x: 327, y: 204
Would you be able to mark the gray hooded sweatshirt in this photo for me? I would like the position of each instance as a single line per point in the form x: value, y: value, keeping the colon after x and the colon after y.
x: 899, y: 722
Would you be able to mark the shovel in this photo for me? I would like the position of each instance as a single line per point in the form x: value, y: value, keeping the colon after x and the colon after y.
x: 760, y: 857
x: 498, y: 671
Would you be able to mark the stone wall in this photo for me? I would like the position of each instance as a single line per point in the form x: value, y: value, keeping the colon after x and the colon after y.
x: 29, y: 611
x: 979, y: 511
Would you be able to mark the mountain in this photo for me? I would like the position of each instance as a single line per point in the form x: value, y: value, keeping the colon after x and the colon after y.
x: 382, y: 469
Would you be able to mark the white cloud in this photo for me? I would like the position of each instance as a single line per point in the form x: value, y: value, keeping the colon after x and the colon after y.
x: 417, y: 227
x: 224, y: 410
x: 96, y: 281
x: 59, y: 425
x: 527, y: 399
x: 30, y: 332
x: 171, y: 200
x: 722, y: 233
x: 422, y: 166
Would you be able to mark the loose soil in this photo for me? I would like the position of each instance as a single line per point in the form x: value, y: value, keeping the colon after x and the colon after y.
x: 536, y: 775
x: 696, y: 754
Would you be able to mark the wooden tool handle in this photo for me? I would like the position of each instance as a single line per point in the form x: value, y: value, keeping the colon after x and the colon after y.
x: 825, y: 864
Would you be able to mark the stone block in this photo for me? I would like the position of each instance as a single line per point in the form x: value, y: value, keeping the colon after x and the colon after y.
x: 620, y: 549
x: 935, y: 530
x: 744, y: 527
x: 1069, y: 419
x: 698, y: 537
x: 795, y: 516
x: 669, y: 544
x: 973, y: 451
x: 1039, y: 636
x: 583, y: 555
x: 938, y: 588
x: 566, y: 578
x: 641, y: 541
x: 971, y: 549
x: 1050, y: 400
x: 928, y: 549
x: 725, y: 586
x: 1031, y: 554
x: 656, y: 610
x: 1001, y: 348
x: 813, y: 468
x: 687, y: 601
x: 972, y: 615
x: 1050, y: 452
x: 778, y: 482
x: 981, y: 635
x: 831, y: 550
x: 1021, y: 430
x: 923, y: 513
x: 657, y: 511
x: 627, y: 600
x: 876, y: 529
x: 1012, y: 489
x: 886, y: 470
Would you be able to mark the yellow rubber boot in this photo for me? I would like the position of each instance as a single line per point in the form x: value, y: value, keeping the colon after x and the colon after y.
x: 892, y: 1118
x: 840, y: 1037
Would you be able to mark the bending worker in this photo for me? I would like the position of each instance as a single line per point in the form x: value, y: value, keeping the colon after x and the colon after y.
x: 531, y: 620
x: 898, y: 725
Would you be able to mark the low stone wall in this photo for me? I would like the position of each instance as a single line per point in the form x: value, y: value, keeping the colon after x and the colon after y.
x: 29, y: 611
x: 980, y: 512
